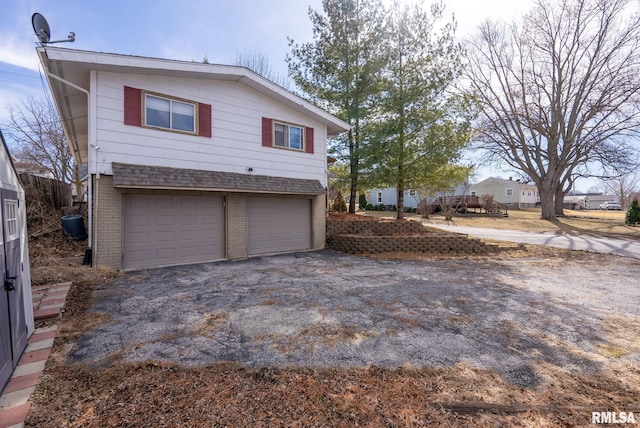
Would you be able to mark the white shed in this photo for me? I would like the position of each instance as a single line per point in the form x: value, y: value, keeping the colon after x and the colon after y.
x: 16, y: 309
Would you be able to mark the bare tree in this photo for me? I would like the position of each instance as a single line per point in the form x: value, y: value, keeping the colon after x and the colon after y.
x: 623, y: 187
x: 559, y: 93
x: 258, y: 62
x: 35, y: 128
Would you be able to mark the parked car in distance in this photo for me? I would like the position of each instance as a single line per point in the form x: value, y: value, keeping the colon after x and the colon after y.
x: 610, y: 205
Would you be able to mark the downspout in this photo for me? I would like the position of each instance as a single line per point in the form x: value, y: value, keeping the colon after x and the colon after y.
x: 90, y: 240
x: 92, y: 153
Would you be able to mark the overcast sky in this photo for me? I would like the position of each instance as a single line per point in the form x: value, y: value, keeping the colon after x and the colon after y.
x: 183, y: 30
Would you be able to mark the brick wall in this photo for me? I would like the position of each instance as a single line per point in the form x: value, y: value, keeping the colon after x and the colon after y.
x: 374, y: 236
x: 318, y: 222
x: 237, y: 226
x: 107, y: 223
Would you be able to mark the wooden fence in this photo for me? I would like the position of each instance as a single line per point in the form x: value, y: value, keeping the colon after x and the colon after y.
x: 51, y: 193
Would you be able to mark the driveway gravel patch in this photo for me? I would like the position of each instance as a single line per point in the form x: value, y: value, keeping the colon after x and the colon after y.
x: 325, y: 309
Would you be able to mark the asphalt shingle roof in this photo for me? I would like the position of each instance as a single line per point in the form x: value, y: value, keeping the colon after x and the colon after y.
x: 145, y: 176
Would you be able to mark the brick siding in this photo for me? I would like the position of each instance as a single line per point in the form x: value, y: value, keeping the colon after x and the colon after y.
x: 237, y: 226
x: 318, y: 222
x: 108, y: 223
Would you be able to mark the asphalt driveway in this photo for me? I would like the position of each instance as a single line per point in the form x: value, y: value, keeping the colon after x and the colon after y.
x: 330, y: 309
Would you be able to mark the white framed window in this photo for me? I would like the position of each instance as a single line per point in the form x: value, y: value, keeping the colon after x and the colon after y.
x: 473, y: 193
x: 169, y: 113
x: 379, y: 197
x: 11, y: 219
x: 509, y: 192
x: 412, y: 192
x: 288, y: 136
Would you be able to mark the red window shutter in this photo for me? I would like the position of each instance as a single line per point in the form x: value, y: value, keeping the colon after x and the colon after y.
x: 204, y: 120
x: 267, y: 132
x: 308, y: 143
x: 132, y: 106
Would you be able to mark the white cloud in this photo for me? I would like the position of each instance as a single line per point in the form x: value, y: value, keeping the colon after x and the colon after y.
x: 21, y: 53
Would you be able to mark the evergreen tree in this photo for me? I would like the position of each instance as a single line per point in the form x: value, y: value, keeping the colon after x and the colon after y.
x: 362, y: 201
x: 340, y: 71
x: 633, y: 213
x: 422, y: 123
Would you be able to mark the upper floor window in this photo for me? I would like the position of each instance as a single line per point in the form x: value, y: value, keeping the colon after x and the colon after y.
x: 412, y: 192
x: 147, y: 109
x: 288, y: 136
x: 509, y: 192
x: 169, y: 113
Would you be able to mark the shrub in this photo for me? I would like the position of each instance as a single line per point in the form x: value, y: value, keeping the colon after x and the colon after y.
x: 379, y: 207
x: 362, y: 201
x: 369, y: 207
x: 339, y: 205
x: 633, y: 213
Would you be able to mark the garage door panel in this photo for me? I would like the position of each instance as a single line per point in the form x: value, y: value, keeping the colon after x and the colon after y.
x: 278, y: 225
x: 165, y: 230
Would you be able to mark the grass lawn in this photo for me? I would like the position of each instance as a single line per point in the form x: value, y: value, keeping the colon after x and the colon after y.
x: 591, y: 223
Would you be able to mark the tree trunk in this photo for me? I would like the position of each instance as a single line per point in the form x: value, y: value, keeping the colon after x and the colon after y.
x: 547, y: 195
x: 559, y: 201
x: 400, y: 206
x: 353, y: 170
x: 353, y: 194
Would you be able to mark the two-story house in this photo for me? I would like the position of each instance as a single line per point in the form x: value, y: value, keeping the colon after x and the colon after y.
x: 190, y: 162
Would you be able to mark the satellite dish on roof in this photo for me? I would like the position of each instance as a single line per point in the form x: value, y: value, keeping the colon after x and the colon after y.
x: 41, y: 27
x: 43, y: 32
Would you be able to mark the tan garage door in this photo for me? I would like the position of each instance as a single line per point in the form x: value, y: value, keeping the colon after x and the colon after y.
x: 278, y: 225
x: 164, y: 230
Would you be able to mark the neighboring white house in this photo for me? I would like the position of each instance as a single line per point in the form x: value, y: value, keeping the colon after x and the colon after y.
x: 389, y: 196
x: 16, y: 308
x: 508, y: 192
x: 31, y: 169
x: 190, y: 162
x: 587, y: 201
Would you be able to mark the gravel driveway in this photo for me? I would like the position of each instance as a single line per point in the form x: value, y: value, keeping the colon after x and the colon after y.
x: 329, y: 309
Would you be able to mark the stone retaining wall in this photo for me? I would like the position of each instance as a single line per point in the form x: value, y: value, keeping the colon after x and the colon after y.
x: 373, y: 227
x: 441, y: 244
x: 373, y: 236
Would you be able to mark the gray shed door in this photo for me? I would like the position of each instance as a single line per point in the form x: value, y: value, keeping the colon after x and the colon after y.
x: 13, y: 327
x: 164, y: 230
x: 278, y: 225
